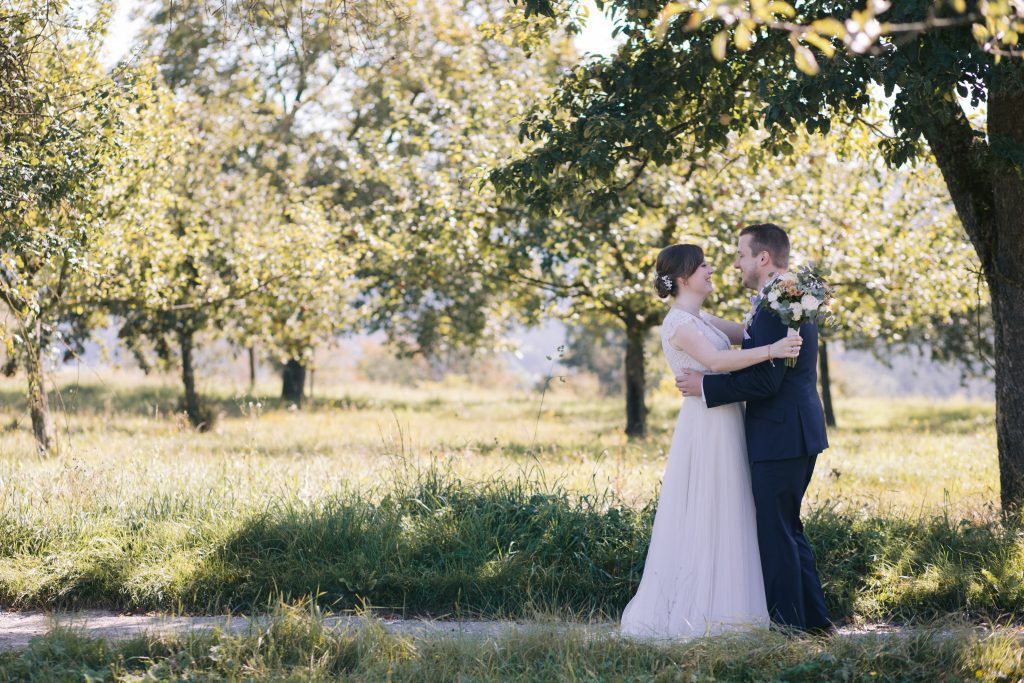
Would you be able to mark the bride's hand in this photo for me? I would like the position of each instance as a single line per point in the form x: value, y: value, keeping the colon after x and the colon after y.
x: 787, y: 347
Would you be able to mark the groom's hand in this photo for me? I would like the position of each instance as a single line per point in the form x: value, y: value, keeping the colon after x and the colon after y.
x: 689, y: 383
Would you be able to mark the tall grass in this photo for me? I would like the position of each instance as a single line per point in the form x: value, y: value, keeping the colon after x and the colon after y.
x: 433, y: 544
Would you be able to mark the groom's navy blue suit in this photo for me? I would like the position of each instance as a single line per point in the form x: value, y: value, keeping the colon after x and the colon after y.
x: 785, y: 428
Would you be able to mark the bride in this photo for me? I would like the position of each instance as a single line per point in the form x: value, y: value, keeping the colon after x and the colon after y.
x: 703, y: 571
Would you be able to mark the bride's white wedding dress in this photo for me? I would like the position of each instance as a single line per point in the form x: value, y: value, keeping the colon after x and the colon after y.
x: 703, y: 571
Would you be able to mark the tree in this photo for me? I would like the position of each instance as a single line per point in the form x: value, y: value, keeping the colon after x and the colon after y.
x: 428, y: 115
x: 212, y: 246
x: 660, y: 97
x: 63, y: 131
x: 596, y: 262
x: 395, y: 128
x: 289, y: 62
x: 289, y: 316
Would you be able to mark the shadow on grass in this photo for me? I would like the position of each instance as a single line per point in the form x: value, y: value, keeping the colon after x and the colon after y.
x: 440, y: 547
x: 507, y: 552
x: 907, y: 569
x: 435, y: 546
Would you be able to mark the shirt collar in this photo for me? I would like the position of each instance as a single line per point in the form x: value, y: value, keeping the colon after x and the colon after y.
x: 760, y: 294
x: 771, y: 281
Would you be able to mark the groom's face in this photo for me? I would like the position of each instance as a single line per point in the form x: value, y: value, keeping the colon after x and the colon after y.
x: 748, y: 264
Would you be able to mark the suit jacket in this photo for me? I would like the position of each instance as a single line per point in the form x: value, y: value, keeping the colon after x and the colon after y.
x: 784, y: 417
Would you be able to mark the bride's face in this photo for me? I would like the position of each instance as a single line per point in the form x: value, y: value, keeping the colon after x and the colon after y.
x: 700, y: 282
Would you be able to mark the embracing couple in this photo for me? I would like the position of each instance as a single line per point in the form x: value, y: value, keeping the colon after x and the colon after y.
x: 727, y: 548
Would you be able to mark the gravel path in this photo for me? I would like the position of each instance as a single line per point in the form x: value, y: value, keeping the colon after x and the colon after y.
x: 18, y: 628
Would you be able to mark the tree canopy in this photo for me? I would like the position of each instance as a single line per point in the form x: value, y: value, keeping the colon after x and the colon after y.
x: 680, y: 92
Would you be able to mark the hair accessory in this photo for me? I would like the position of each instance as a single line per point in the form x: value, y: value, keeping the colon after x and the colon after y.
x: 667, y: 281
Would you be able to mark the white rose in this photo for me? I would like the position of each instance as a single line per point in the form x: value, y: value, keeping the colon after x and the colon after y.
x: 788, y: 277
x: 809, y: 302
x: 775, y: 305
x: 797, y: 310
x: 773, y: 295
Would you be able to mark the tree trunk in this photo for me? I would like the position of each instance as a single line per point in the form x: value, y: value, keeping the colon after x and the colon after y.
x: 252, y: 369
x: 826, y: 383
x: 988, y: 192
x: 38, y: 403
x: 1006, y: 284
x: 293, y: 381
x: 636, y: 408
x: 197, y: 416
x: 1008, y: 315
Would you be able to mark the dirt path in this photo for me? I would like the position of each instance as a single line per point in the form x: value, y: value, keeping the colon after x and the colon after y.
x: 18, y: 628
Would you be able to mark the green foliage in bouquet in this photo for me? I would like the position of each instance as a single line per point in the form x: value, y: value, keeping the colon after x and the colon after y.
x: 801, y: 297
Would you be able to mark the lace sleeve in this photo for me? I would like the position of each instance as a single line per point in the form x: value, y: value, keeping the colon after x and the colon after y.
x: 673, y: 321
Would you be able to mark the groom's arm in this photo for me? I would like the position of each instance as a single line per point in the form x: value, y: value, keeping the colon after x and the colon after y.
x: 734, y: 331
x: 756, y: 382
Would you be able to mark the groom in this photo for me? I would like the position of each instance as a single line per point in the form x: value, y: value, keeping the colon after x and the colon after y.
x: 785, y: 429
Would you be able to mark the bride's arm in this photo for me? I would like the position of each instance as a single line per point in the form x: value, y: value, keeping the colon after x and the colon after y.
x: 734, y: 331
x: 690, y: 340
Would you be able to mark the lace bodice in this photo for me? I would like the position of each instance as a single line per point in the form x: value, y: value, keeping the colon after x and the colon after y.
x: 680, y: 360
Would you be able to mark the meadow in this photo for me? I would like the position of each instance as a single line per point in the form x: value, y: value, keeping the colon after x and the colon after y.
x: 446, y: 500
x: 123, y: 437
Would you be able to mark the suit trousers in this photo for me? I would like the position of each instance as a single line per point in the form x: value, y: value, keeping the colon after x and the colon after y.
x: 791, y: 583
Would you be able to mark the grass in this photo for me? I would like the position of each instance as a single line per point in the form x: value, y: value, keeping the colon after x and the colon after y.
x: 296, y: 646
x: 436, y: 545
x: 887, y: 455
x: 437, y: 501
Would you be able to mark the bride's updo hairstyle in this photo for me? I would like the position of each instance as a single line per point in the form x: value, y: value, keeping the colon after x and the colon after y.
x: 677, y: 261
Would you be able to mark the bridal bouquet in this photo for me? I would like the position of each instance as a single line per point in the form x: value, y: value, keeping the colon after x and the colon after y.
x: 800, y: 297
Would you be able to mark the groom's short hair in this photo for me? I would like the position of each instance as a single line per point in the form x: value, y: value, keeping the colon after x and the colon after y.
x: 771, y: 238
